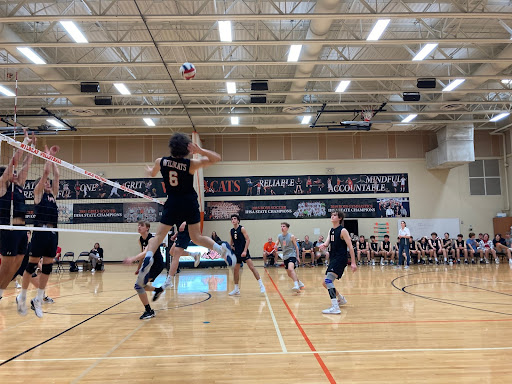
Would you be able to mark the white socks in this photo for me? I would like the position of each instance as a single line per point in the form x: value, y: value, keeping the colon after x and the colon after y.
x: 23, y: 294
x: 334, y: 303
x: 236, y: 287
x: 217, y: 248
x: 40, y: 294
x: 260, y: 282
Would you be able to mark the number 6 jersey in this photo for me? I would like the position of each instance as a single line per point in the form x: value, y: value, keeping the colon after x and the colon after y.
x: 177, y: 179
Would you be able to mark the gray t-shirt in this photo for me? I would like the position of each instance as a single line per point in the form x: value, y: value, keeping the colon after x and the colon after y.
x: 287, y: 246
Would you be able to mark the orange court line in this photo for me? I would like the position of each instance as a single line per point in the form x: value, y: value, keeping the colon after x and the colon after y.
x: 306, y: 338
x: 413, y: 322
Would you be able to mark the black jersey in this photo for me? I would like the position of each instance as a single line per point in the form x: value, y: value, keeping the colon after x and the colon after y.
x: 447, y: 242
x: 435, y: 243
x: 177, y: 179
x: 460, y: 244
x: 424, y: 245
x: 338, y: 245
x: 362, y: 245
x: 374, y: 246
x: 238, y: 239
x: 412, y: 245
x: 386, y: 246
x: 157, y: 256
x: 19, y: 207
x: 46, y: 211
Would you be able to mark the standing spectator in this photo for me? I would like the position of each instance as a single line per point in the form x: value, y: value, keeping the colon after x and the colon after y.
x: 269, y: 249
x: 216, y: 238
x: 389, y: 211
x: 488, y: 248
x: 95, y: 255
x: 307, y: 249
x: 403, y: 235
x: 501, y: 246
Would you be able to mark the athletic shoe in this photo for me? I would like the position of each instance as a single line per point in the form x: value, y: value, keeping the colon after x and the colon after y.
x: 262, y: 289
x: 197, y: 258
x: 157, y: 294
x: 373, y: 262
x: 406, y: 267
x: 301, y: 285
x: 21, y: 306
x: 381, y: 262
x: 17, y: 285
x: 497, y: 261
x: 48, y: 300
x: 332, y: 311
x: 486, y: 261
x: 296, y: 289
x: 93, y: 270
x: 168, y: 283
x: 36, y: 306
x: 143, y: 276
x: 510, y: 261
x: 234, y: 292
x: 147, y: 315
x: 225, y: 251
x: 341, y: 300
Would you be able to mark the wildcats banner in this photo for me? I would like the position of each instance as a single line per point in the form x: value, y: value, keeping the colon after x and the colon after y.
x: 307, y: 209
x: 307, y: 185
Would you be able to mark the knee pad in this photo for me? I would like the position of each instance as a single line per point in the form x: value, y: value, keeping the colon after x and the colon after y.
x: 46, y: 269
x: 140, y: 290
x: 31, y: 268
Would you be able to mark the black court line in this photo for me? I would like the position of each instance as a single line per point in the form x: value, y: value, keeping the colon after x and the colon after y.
x: 63, y: 332
x: 403, y: 289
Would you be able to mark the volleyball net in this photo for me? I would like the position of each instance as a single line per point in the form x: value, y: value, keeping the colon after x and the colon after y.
x: 87, y: 202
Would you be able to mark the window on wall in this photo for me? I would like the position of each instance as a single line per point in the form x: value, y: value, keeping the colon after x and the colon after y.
x: 484, y: 177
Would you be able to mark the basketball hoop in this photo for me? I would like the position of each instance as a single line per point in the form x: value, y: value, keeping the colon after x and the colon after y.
x: 367, y: 113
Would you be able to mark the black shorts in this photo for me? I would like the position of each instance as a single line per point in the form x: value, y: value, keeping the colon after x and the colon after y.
x: 13, y: 243
x: 178, y: 209
x: 182, y: 240
x: 337, y: 266
x: 240, y: 259
x: 44, y: 244
x: 290, y: 260
x: 156, y: 268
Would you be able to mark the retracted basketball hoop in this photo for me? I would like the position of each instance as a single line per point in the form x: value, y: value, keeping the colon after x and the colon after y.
x: 367, y: 113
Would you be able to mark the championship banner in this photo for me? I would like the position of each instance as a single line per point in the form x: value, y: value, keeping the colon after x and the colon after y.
x: 308, y: 209
x: 307, y: 185
x: 116, y: 213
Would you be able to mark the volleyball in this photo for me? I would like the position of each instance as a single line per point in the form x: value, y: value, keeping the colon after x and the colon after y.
x: 188, y: 71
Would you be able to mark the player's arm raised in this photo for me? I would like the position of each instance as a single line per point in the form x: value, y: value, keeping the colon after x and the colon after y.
x: 153, y: 171
x: 208, y: 157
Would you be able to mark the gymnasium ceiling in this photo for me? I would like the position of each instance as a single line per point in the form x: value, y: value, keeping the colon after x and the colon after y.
x: 143, y: 43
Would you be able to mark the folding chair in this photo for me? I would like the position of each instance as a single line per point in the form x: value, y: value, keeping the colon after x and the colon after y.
x: 58, y: 265
x: 83, y: 257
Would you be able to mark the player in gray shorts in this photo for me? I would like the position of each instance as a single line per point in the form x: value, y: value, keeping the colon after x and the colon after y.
x: 290, y: 251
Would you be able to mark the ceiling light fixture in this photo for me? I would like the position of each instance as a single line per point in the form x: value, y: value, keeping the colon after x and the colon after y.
x: 425, y: 51
x: 231, y: 86
x: 294, y: 53
x: 225, y: 31
x: 149, y: 121
x: 31, y: 55
x: 306, y: 119
x: 235, y: 120
x: 409, y: 118
x: 122, y: 89
x: 74, y: 32
x: 6, y: 91
x: 454, y: 84
x: 499, y: 117
x: 342, y: 86
x: 378, y: 29
x: 55, y: 123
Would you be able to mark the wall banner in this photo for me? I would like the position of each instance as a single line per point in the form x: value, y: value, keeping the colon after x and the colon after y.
x: 308, y: 209
x: 307, y: 185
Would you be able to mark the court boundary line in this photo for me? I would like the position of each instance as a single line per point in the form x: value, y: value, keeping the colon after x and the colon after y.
x: 63, y: 332
x: 348, y: 351
x: 304, y: 335
x: 413, y: 322
x: 276, y: 326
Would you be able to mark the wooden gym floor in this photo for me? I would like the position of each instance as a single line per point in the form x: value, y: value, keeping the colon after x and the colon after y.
x: 427, y: 325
